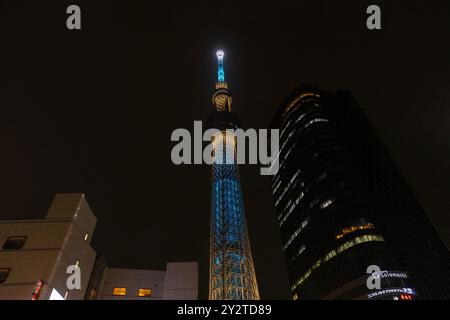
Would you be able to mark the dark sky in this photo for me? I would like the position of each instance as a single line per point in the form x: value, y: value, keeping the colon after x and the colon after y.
x: 92, y: 111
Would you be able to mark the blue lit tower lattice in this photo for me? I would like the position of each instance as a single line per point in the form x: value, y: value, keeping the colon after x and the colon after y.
x: 231, y: 270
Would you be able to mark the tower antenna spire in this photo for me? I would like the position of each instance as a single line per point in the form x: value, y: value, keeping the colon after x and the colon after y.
x: 220, y: 72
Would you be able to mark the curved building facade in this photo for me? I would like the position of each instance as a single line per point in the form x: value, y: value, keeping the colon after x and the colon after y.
x: 342, y: 206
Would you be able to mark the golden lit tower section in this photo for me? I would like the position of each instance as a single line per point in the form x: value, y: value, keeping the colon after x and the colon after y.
x: 231, y: 270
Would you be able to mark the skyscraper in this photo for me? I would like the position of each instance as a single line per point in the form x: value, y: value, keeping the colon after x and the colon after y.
x: 343, y: 206
x: 231, y: 270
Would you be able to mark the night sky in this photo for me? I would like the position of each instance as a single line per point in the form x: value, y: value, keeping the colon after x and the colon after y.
x: 92, y: 111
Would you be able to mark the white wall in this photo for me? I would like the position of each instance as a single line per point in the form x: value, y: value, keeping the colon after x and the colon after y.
x: 178, y: 281
x: 52, y: 244
x: 133, y: 280
x: 58, y: 241
x: 181, y: 281
x: 35, y: 260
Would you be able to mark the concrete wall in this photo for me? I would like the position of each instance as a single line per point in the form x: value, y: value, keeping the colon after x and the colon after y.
x: 181, y: 281
x: 133, y: 280
x: 178, y: 281
x: 62, y: 239
x: 74, y: 247
x: 35, y: 260
x: 52, y: 245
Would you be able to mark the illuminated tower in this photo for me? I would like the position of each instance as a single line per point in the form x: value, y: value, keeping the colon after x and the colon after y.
x: 231, y: 271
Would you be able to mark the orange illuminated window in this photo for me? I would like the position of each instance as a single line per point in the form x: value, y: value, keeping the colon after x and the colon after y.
x: 351, y: 229
x: 294, y: 104
x: 119, y: 291
x: 145, y: 292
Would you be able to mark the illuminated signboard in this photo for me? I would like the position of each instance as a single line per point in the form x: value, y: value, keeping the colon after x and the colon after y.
x: 391, y: 291
x: 393, y: 274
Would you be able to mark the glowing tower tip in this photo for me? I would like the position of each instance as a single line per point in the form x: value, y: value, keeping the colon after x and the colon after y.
x: 220, y: 72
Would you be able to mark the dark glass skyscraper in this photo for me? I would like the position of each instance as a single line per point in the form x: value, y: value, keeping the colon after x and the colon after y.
x: 343, y: 206
x: 231, y: 270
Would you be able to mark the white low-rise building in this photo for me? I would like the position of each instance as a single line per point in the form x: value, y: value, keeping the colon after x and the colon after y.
x: 42, y: 249
x: 178, y: 281
x: 35, y: 255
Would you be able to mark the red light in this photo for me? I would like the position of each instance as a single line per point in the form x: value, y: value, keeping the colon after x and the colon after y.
x: 37, y: 290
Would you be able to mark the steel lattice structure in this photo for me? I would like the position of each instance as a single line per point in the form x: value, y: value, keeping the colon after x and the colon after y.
x: 231, y: 272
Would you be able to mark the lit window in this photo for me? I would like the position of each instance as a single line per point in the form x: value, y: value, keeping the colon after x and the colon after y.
x: 301, y: 195
x: 333, y: 253
x: 325, y: 204
x: 276, y: 187
x: 4, y: 272
x: 294, y: 104
x: 284, y: 129
x: 288, y: 204
x: 300, y: 251
x: 275, y: 179
x: 354, y: 228
x: 295, y: 234
x: 86, y: 236
x: 119, y: 291
x: 287, y: 187
x: 330, y: 255
x: 315, y: 121
x: 300, y: 118
x: 14, y: 243
x: 145, y: 292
